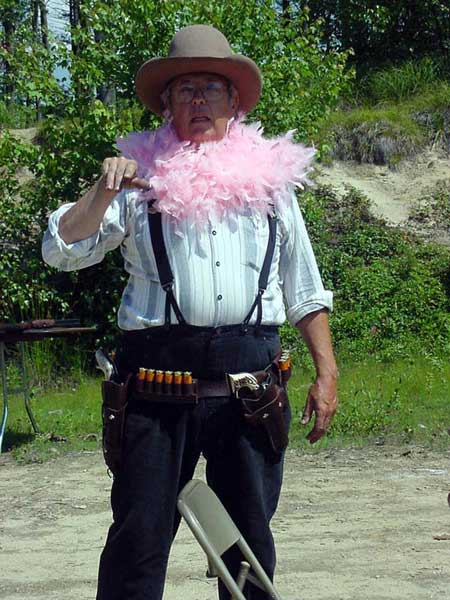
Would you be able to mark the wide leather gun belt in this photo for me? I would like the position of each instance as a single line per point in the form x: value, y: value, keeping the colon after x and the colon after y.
x: 177, y: 387
x: 179, y: 393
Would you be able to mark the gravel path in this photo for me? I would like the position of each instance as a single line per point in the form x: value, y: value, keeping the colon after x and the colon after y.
x: 351, y: 524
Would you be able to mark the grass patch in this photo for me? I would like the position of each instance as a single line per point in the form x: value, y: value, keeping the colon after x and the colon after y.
x: 402, y: 401
x: 69, y: 420
x: 396, y: 117
x: 375, y: 135
x: 405, y: 401
x: 400, y: 82
x: 390, y: 130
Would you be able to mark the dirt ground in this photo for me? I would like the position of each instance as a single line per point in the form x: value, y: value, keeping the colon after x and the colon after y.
x: 351, y: 524
x: 393, y: 192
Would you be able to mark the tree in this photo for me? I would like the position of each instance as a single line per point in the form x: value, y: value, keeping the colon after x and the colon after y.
x: 44, y: 23
x: 384, y: 31
x: 12, y: 14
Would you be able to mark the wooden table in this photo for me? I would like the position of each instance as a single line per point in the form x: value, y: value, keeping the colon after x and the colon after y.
x: 21, y: 337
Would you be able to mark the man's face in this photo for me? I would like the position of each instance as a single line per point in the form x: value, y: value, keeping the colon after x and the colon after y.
x: 201, y: 106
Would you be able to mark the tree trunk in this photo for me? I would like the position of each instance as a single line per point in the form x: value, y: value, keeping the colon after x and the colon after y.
x: 35, y: 18
x: 9, y: 87
x: 74, y: 18
x: 106, y: 92
x: 285, y: 6
x: 44, y: 23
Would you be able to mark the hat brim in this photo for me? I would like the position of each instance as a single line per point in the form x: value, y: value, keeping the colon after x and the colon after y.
x: 154, y: 75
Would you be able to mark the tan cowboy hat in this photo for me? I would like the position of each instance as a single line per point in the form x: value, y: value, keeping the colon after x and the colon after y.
x: 198, y: 49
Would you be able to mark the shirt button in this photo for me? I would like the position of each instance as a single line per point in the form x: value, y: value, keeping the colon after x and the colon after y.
x: 214, y: 232
x: 219, y: 297
x: 218, y: 263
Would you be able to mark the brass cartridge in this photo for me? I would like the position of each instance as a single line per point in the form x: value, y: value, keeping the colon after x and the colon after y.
x: 159, y: 378
x: 168, y: 379
x: 285, y: 365
x: 177, y: 383
x: 140, y: 380
x: 188, y: 387
x: 149, y: 379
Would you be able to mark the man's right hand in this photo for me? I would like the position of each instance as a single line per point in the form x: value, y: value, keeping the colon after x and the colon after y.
x: 83, y: 219
x: 119, y: 172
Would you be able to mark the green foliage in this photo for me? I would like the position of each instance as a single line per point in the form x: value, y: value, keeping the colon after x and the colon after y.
x: 23, y: 281
x: 405, y: 399
x: 70, y: 419
x: 15, y: 116
x: 391, y: 289
x: 302, y: 82
x: 378, y: 32
x: 399, y: 83
x: 63, y: 166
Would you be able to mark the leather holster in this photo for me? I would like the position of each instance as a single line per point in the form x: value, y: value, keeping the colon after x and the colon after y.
x: 268, y: 412
x: 115, y: 398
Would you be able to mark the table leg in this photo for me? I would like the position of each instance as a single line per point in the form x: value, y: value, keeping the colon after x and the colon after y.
x: 26, y: 389
x: 5, y: 393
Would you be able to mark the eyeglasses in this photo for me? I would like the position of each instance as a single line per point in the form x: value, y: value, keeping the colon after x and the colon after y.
x: 213, y: 90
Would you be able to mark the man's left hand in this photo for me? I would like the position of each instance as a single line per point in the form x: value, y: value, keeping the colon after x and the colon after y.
x: 322, y: 403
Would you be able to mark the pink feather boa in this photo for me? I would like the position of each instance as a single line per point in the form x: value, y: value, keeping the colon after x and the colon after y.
x: 242, y: 173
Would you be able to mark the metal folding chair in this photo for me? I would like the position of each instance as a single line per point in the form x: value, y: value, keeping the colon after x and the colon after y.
x: 215, y: 531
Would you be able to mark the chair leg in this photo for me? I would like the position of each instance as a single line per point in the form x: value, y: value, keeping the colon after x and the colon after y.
x: 216, y: 563
x: 242, y: 576
x: 263, y: 580
x: 211, y: 572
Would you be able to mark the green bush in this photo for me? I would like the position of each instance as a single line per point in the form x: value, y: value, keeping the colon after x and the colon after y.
x: 23, y: 281
x: 392, y: 294
x: 400, y: 83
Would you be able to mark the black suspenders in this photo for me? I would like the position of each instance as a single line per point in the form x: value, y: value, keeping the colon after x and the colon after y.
x: 164, y: 271
x: 263, y: 275
x: 166, y: 276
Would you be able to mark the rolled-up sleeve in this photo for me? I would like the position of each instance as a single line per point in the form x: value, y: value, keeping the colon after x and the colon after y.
x: 302, y: 285
x: 90, y: 251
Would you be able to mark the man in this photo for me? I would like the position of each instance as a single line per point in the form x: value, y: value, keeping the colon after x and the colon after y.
x: 217, y: 198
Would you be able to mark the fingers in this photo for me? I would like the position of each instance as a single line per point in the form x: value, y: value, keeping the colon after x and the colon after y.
x: 140, y: 183
x: 119, y: 171
x: 320, y: 419
x: 108, y: 171
x: 323, y: 404
x: 321, y: 424
x: 319, y: 430
x: 308, y: 410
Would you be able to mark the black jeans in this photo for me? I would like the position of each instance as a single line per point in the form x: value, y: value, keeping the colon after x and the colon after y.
x: 162, y: 446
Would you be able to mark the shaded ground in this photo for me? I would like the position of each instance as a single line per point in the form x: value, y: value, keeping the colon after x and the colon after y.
x: 351, y: 524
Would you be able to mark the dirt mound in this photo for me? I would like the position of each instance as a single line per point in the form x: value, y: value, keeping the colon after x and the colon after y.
x: 393, y: 192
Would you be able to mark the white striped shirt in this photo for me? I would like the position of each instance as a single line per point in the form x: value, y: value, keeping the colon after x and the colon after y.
x: 216, y: 270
